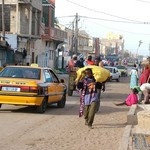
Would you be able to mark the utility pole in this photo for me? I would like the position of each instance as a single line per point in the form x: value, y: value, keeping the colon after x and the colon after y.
x: 140, y: 42
x: 3, y: 20
x: 76, y: 33
x: 72, y: 40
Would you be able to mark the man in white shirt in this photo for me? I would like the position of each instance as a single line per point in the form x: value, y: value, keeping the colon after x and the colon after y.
x: 145, y: 88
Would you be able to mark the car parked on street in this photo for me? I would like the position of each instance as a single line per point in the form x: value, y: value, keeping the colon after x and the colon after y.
x: 123, y: 70
x: 31, y: 86
x: 115, y: 74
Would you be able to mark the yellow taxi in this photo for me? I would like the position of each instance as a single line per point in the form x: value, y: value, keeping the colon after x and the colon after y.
x: 31, y: 86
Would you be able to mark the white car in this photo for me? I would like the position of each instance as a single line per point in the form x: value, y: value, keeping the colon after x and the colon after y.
x: 115, y: 74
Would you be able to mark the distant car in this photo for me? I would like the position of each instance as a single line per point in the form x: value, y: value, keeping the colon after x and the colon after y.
x: 31, y: 86
x: 115, y: 74
x: 123, y: 70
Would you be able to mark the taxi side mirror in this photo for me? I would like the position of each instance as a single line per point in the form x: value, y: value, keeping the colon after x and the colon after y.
x: 62, y: 81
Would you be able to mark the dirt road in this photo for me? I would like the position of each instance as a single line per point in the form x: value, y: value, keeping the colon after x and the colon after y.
x: 62, y: 129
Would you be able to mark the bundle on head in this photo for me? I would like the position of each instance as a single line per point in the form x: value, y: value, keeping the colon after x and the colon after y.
x: 145, y: 63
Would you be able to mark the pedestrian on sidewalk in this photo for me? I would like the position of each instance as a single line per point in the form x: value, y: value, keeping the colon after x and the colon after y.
x: 89, y: 97
x: 134, y: 78
x: 131, y: 99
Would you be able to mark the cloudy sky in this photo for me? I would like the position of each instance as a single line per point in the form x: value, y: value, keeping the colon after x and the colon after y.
x: 130, y: 18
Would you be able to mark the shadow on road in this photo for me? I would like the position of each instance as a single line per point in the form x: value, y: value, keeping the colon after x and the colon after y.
x: 109, y: 109
x: 114, y: 96
x: 70, y: 109
x: 111, y: 125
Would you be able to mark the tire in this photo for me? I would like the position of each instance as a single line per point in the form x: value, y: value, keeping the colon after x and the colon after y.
x: 62, y: 102
x: 110, y: 79
x: 42, y: 107
x: 118, y: 80
x: 0, y: 105
x: 70, y: 92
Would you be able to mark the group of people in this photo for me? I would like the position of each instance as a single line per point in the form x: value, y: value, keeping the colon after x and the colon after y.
x: 91, y: 90
x: 80, y: 62
x: 139, y: 84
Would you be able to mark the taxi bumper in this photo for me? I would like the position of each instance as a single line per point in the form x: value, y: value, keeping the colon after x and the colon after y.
x: 21, y: 99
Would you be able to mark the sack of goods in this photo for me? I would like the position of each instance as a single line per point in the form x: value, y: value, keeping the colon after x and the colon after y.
x: 100, y: 74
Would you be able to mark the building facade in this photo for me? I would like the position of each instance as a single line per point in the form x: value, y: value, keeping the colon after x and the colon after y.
x: 112, y: 44
x: 22, y: 27
x: 31, y: 32
x: 52, y: 35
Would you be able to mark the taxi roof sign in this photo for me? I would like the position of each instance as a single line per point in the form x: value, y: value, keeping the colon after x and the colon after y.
x: 34, y: 65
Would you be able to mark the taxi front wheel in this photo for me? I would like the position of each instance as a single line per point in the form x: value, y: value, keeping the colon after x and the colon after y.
x: 0, y: 105
x: 42, y: 107
x: 62, y: 102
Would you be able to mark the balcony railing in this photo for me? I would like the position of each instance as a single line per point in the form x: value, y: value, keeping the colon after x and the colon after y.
x: 54, y: 34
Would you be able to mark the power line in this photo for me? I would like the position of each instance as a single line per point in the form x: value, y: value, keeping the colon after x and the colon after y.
x: 66, y: 16
x: 90, y: 9
x: 118, y: 21
x: 143, y: 1
x: 146, y: 34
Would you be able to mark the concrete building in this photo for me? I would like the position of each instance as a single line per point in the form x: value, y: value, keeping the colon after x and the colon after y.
x: 112, y: 44
x: 52, y: 36
x: 85, y: 43
x: 22, y: 26
x: 31, y: 32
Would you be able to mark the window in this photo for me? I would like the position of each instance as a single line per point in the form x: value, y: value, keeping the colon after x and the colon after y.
x: 46, y: 15
x: 55, y: 79
x: 20, y: 72
x: 52, y: 17
x: 48, y: 77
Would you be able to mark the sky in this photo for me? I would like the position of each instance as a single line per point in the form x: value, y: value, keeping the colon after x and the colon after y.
x: 132, y: 19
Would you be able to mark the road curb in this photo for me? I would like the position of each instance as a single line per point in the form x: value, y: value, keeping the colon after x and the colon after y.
x: 125, y: 140
x: 132, y: 115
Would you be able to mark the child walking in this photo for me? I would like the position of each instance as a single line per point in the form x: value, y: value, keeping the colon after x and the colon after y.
x: 89, y: 97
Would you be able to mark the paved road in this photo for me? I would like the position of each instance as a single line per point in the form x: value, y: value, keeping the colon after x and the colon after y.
x: 62, y: 129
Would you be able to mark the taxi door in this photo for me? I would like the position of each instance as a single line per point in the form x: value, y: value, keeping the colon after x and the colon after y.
x: 58, y: 86
x: 51, y: 88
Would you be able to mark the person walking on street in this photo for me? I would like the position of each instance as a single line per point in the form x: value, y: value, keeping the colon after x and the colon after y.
x: 101, y: 86
x: 89, y: 61
x: 71, y: 63
x: 133, y: 78
x: 89, y: 97
x: 80, y: 62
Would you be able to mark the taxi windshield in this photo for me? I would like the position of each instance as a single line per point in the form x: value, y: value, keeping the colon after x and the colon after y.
x: 121, y: 67
x: 20, y: 72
